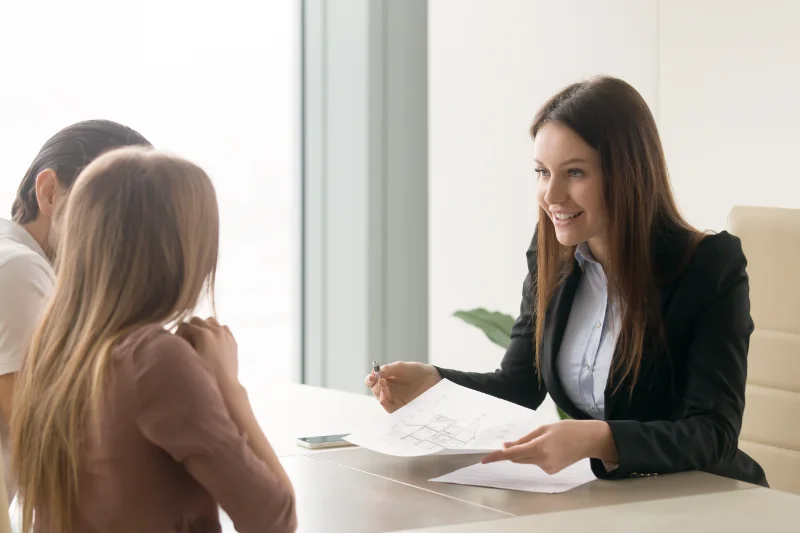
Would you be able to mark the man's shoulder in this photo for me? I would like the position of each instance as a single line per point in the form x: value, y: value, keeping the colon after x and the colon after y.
x: 26, y: 281
x: 18, y: 262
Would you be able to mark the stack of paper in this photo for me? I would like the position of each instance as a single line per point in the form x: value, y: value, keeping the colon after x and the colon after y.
x: 451, y: 419
x: 528, y: 478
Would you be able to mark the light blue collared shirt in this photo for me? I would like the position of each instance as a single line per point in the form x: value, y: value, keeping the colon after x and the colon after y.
x: 589, y: 340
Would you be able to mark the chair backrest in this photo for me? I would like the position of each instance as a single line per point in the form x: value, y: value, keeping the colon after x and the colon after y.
x: 771, y: 426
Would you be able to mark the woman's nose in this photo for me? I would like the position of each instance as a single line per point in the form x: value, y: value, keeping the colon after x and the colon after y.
x: 555, y: 192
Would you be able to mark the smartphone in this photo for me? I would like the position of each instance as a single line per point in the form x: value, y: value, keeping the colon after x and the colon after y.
x: 324, y: 441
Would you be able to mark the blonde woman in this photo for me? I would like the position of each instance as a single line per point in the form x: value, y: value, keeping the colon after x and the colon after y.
x: 125, y: 426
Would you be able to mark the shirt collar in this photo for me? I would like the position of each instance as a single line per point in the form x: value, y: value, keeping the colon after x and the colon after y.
x: 17, y: 232
x: 584, y: 254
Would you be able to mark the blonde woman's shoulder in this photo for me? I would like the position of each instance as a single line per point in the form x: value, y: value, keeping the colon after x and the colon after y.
x: 139, y: 338
x: 152, y: 344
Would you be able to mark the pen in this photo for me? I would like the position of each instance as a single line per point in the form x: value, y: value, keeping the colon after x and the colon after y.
x: 376, y: 369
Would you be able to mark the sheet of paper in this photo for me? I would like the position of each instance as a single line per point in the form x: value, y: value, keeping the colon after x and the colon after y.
x: 447, y: 419
x: 528, y: 478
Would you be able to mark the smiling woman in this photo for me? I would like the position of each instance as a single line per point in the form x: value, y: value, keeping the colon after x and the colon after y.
x: 634, y: 322
x: 570, y: 187
x: 609, y: 166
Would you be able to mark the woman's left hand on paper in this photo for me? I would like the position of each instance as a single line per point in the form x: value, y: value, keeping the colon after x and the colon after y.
x: 553, y: 447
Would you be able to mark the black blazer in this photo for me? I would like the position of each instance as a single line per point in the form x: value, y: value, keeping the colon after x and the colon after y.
x: 685, y: 412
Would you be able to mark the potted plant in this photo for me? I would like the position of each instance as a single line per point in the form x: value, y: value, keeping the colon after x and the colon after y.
x: 496, y: 326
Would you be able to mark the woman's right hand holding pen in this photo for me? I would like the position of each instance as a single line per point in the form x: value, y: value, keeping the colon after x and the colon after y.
x: 400, y: 382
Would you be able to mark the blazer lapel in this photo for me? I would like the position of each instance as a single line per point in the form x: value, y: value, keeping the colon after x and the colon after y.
x: 554, y: 325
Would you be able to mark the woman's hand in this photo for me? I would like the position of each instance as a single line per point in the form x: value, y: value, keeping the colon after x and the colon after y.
x: 402, y: 382
x: 215, y: 343
x: 553, y: 447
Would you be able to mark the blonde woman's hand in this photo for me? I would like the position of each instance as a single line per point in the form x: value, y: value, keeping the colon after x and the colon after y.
x: 215, y: 343
x: 401, y: 382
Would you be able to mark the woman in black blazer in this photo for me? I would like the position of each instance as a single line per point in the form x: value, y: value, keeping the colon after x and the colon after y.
x: 642, y: 322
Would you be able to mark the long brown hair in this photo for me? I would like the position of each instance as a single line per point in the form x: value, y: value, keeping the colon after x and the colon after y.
x: 613, y: 118
x: 139, y: 246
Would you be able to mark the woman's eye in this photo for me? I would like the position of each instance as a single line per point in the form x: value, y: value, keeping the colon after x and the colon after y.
x: 575, y: 173
x: 541, y: 172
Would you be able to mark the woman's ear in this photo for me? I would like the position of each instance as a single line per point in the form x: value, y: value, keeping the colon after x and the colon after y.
x: 47, y: 188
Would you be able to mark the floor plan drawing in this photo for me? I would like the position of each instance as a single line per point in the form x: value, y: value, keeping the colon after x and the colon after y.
x: 439, y: 432
x: 446, y: 419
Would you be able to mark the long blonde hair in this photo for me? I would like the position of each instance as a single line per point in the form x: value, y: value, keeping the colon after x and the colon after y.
x: 139, y: 245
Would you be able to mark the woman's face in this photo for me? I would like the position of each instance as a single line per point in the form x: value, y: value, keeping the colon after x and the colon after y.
x: 570, y: 187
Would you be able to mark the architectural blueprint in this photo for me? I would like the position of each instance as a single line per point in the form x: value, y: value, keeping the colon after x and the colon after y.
x: 447, y: 419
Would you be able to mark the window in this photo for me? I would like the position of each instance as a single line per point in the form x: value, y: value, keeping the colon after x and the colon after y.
x: 218, y: 86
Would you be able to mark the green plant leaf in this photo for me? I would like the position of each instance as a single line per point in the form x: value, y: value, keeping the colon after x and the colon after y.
x: 496, y: 326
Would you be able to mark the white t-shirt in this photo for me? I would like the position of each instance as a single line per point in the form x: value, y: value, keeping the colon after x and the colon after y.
x: 26, y: 282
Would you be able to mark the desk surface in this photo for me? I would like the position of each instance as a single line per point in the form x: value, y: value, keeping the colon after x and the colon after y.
x: 745, y: 511
x: 418, y: 470
x: 288, y: 411
x: 335, y: 499
x: 356, y: 490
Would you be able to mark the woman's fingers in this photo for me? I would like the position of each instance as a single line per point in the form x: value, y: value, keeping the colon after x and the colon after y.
x: 527, y: 452
x: 373, y: 387
x: 538, y: 432
x: 383, y: 399
x: 388, y: 398
x: 392, y: 370
x: 188, y: 331
x: 386, y: 392
x: 198, y: 322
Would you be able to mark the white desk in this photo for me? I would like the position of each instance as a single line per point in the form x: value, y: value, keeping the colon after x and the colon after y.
x: 745, y: 511
x: 353, y: 490
x: 288, y: 411
x: 418, y: 470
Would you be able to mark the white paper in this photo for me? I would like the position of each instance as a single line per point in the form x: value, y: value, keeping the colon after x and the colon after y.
x: 528, y: 478
x: 448, y: 419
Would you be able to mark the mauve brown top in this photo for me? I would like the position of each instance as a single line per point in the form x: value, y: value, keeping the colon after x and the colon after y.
x: 167, y: 451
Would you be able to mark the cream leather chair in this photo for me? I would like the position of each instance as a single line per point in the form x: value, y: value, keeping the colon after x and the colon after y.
x: 771, y: 427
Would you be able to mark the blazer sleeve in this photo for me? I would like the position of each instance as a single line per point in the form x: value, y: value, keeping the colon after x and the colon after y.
x: 516, y: 380
x: 706, y: 436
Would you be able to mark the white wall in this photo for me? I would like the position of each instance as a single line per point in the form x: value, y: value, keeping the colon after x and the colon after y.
x: 722, y: 80
x: 490, y: 67
x: 730, y: 104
